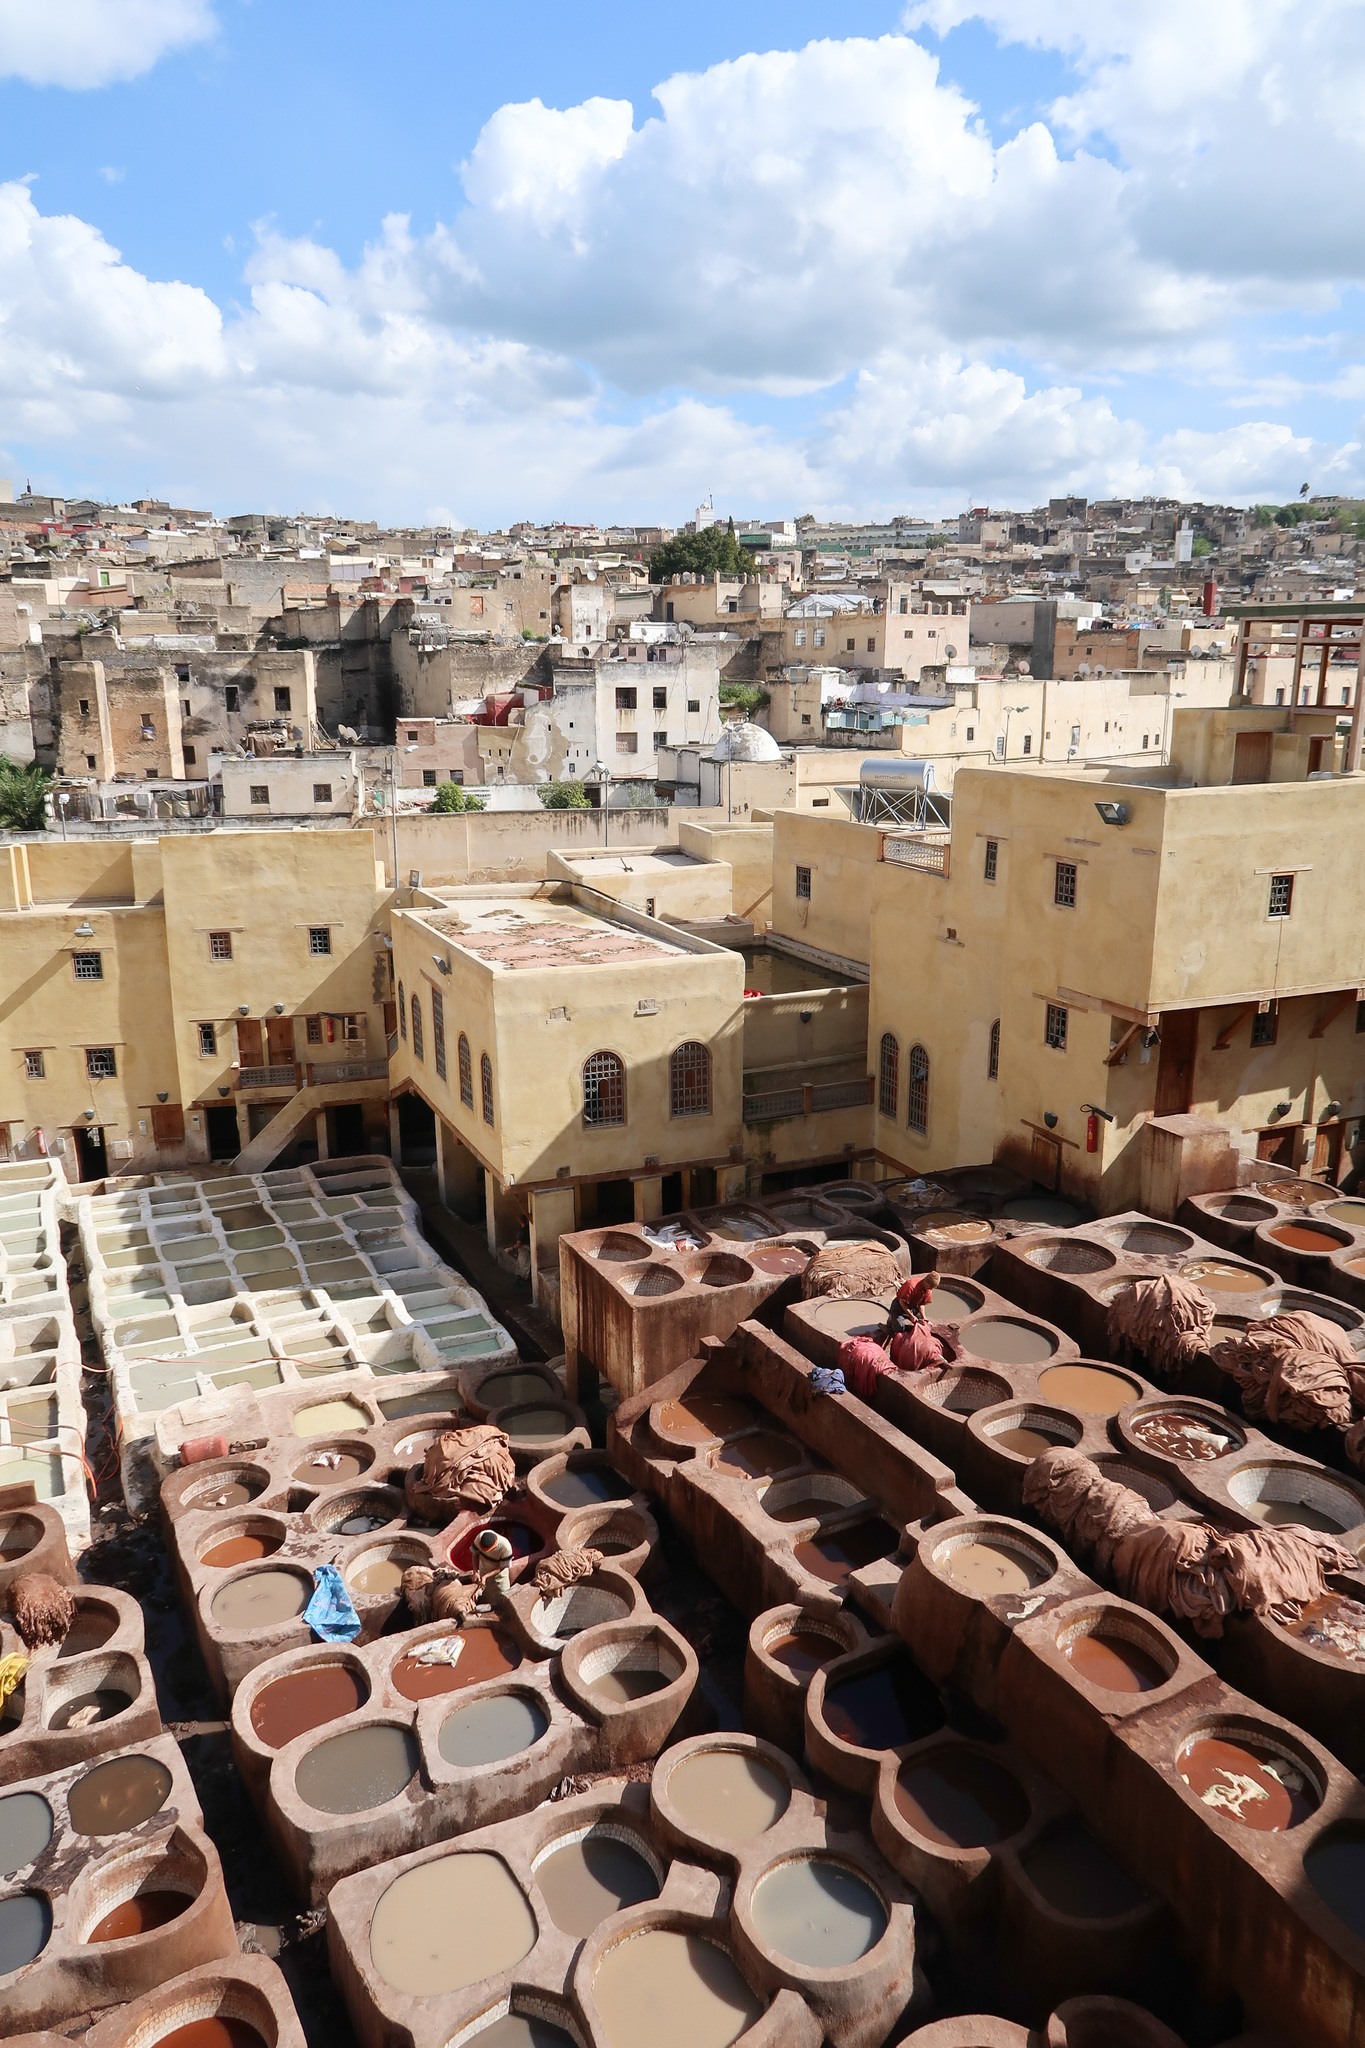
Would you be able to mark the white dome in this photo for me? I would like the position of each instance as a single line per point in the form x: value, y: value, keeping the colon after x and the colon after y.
x: 745, y: 742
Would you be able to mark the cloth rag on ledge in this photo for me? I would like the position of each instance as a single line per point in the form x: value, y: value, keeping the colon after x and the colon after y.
x: 827, y: 1379
x: 330, y: 1613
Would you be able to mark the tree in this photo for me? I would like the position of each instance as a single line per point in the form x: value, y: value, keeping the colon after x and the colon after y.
x: 748, y: 696
x: 1201, y: 545
x: 564, y: 796
x: 22, y: 792
x: 712, y: 552
x: 451, y: 797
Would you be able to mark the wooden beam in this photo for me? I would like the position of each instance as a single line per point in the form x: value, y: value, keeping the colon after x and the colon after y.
x: 1077, y: 999
x: 1119, y: 1052
x: 1224, y: 1038
x: 1332, y: 1011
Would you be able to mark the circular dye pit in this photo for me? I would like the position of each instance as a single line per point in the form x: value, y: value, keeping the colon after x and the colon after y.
x: 1335, y: 1867
x: 970, y: 1230
x: 629, y: 1682
x: 666, y: 1989
x: 302, y: 1700
x: 139, y: 1915
x: 960, y: 1800
x: 361, y: 1769
x: 806, y: 1504
x: 781, y: 1259
x: 884, y: 1708
x: 839, y: 1552
x: 449, y: 1923
x: 817, y: 1913
x: 482, y: 1653
x: 1305, y: 1237
x: 1249, y: 1782
x: 1218, y: 1276
x: 524, y: 1541
x: 1280, y: 1514
x: 244, y: 1549
x: 1089, y: 1388
x: 327, y: 1417
x: 537, y: 1425
x: 216, y: 2030
x: 503, y: 1389
x: 87, y: 1709
x: 118, y: 1795
x: 727, y: 1795
x: 760, y: 1454
x: 320, y: 1470
x: 949, y: 1304
x: 25, y: 1924
x: 1030, y: 1436
x: 1077, y: 1877
x: 520, y: 2030
x: 261, y: 1600
x: 1334, y: 1626
x: 1183, y: 1434
x: 1352, y: 1214
x: 231, y: 1493
x: 364, y: 1521
x: 803, y: 1651
x: 19, y: 1535
x: 1113, y: 1663
x: 988, y: 1564
x: 583, y: 1882
x: 25, y: 1830
x: 585, y: 1487
x: 93, y: 1626
x: 488, y: 1730
x: 700, y: 1418
x: 1003, y: 1341
x: 377, y: 1576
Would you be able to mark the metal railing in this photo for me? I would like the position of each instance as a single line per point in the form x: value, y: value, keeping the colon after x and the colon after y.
x: 779, y: 1105
x: 268, y: 1077
x: 346, y: 1070
x: 927, y: 851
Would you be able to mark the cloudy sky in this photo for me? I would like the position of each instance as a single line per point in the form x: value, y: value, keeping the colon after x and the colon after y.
x: 594, y: 261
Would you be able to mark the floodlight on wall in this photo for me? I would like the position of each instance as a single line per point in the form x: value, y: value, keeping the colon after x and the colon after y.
x: 444, y: 965
x: 1282, y: 1109
x: 1050, y: 1119
x: 90, y: 1116
x: 84, y: 931
x: 1330, y: 1110
x: 243, y: 1009
x: 279, y: 1009
x: 1151, y: 1037
x: 1093, y: 1109
x: 1114, y: 814
x: 163, y: 1094
x: 225, y: 1091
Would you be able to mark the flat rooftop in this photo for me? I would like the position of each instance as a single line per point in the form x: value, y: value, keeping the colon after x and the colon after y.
x: 629, y: 862
x: 527, y: 934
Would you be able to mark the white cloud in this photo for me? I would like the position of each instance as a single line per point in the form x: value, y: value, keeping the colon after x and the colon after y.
x: 86, y: 43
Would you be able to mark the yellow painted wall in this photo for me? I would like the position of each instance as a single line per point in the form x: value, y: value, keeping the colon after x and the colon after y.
x: 841, y: 856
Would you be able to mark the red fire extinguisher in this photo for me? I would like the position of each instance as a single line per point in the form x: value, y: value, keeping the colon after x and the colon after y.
x: 1092, y: 1133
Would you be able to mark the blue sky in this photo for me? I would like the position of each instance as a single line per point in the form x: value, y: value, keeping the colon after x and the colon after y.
x: 482, y: 263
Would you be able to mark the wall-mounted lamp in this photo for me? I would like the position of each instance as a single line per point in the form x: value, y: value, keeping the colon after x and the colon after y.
x: 1330, y: 1110
x: 84, y: 931
x: 1282, y: 1109
x: 1094, y: 1109
x: 225, y: 1091
x: 444, y: 965
x: 243, y: 1009
x: 90, y: 1116
x: 1114, y: 814
x: 1050, y: 1119
x: 1151, y: 1037
x: 163, y: 1094
x: 279, y: 1009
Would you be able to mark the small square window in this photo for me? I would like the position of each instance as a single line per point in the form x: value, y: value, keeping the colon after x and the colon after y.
x: 992, y: 865
x: 184, y: 707
x: 260, y: 793
x: 1265, y: 1026
x: 313, y: 1032
x: 627, y: 743
x: 625, y: 699
x: 694, y: 703
x: 428, y: 778
x: 412, y: 739
x: 319, y: 938
x: 1054, y: 1029
x: 148, y: 729
x: 88, y: 966
x: 220, y: 945
x: 803, y: 885
x: 85, y: 707
x: 971, y: 732
x: 100, y: 1064
x: 871, y: 645
x: 283, y: 700
x: 34, y: 1067
x: 849, y: 648
x: 89, y: 760
x: 322, y: 792
x: 1281, y: 896
x: 1064, y: 885
x: 208, y: 1041
x: 189, y: 756
x: 660, y: 740
x: 661, y: 700
x: 455, y: 775
x: 229, y: 696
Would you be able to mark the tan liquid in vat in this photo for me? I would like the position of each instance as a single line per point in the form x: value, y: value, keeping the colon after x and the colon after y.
x: 666, y: 1989
x: 726, y: 1795
x: 260, y: 1600
x: 1087, y: 1387
x: 450, y: 1923
x: 986, y: 1567
x: 585, y: 1881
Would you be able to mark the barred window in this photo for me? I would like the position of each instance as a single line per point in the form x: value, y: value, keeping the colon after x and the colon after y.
x: 803, y: 884
x: 34, y: 1067
x: 402, y: 1012
x: 319, y: 938
x: 604, y: 1089
x: 88, y: 966
x: 208, y: 1041
x: 1064, y: 885
x: 993, y: 1055
x: 1281, y: 895
x: 220, y: 945
x: 486, y: 1085
x: 313, y: 1030
x: 466, y: 1073
x: 322, y: 792
x: 438, y: 1031
x: 1054, y: 1028
x: 260, y: 793
x: 1265, y: 1026
x: 889, y: 1074
x: 917, y: 1091
x: 689, y: 1080
x: 100, y: 1063
x: 419, y: 1051
x: 992, y: 866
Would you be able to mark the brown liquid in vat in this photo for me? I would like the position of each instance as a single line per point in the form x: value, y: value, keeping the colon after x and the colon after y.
x: 91, y: 1629
x: 1333, y: 1625
x: 780, y: 1259
x: 382, y: 1575
x: 519, y: 2030
x: 484, y: 1653
x: 217, y: 2031
x: 1003, y: 1342
x: 1114, y: 1664
x: 1087, y: 1387
x: 139, y: 1915
x: 587, y: 1880
x: 948, y: 1304
x: 314, y: 1473
x: 803, y: 1651
x: 302, y: 1700
x: 986, y: 1567
x: 238, y: 1550
x: 1182, y: 1436
x: 1220, y: 1278
x: 261, y: 1600
x: 697, y: 1418
x: 585, y: 1488
x: 1281, y: 1514
x: 727, y: 1795
x: 235, y: 1494
x: 88, y: 1708
x: 667, y: 1989
x: 960, y: 1799
x: 1256, y: 1788
x: 760, y: 1454
x: 118, y: 1795
x: 835, y: 1555
x: 1025, y: 1443
x: 619, y: 1687
x: 804, y: 1507
x: 18, y: 1536
x: 883, y: 1708
x: 1303, y: 1237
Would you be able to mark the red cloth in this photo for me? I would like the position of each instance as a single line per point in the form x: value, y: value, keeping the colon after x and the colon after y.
x: 862, y: 1364
x: 914, y: 1293
x: 917, y: 1348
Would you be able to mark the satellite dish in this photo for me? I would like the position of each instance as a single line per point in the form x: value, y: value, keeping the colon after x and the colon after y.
x: 951, y: 653
x: 1024, y: 668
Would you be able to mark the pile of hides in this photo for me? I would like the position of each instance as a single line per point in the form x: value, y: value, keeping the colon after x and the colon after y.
x: 1188, y: 1570
x: 438, y: 1595
x: 1298, y: 1370
x: 1163, y: 1319
x: 566, y: 1568
x: 862, y: 1363
x: 43, y: 1611
x: 464, y: 1468
x: 847, y: 1272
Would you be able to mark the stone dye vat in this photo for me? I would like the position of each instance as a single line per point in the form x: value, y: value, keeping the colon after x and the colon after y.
x: 210, y: 1294
x: 108, y: 1885
x: 355, y: 1753
x: 602, y: 1916
x: 248, y: 1532
x: 787, y: 1646
x: 42, y: 1422
x: 90, y: 1693
x: 235, y: 2002
x: 1208, y: 1801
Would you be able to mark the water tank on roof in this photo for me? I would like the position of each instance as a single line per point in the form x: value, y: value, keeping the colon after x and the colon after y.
x: 881, y: 772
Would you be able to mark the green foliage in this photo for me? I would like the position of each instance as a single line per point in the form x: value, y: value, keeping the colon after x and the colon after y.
x: 451, y: 797
x: 748, y: 696
x: 1202, y: 545
x: 1263, y: 515
x: 564, y: 796
x: 712, y: 552
x: 22, y: 790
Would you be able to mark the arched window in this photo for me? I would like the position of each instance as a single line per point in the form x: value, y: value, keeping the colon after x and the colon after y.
x: 889, y: 1075
x: 689, y: 1081
x: 604, y: 1089
x: 438, y: 1030
x: 419, y: 1051
x: 993, y: 1056
x: 486, y: 1081
x: 402, y: 1013
x: 466, y: 1073
x: 917, y: 1093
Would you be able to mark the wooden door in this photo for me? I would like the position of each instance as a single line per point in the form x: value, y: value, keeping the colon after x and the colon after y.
x: 1047, y: 1162
x: 1327, y: 1144
x: 1175, y: 1070
x: 1278, y: 1145
x: 1251, y: 757
x: 168, y: 1123
x: 250, y: 1043
x: 1316, y: 750
x: 279, y: 1039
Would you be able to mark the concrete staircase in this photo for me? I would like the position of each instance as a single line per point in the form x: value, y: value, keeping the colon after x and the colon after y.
x: 300, y: 1109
